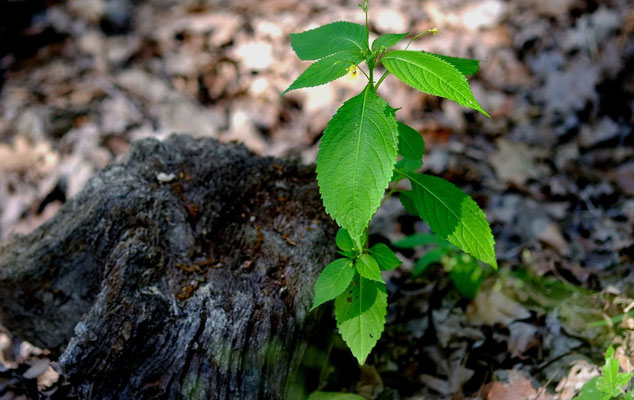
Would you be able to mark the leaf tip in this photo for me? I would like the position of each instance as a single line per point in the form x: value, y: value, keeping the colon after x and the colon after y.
x: 361, y: 358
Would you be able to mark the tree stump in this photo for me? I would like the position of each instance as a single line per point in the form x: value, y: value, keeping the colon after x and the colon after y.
x: 185, y: 271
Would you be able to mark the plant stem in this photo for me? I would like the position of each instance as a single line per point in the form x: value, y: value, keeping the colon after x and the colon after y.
x: 366, y: 75
x: 381, y: 80
x: 403, y: 174
x: 367, y: 25
x: 367, y: 238
x: 410, y: 42
x: 433, y: 31
x: 392, y: 190
x: 366, y: 6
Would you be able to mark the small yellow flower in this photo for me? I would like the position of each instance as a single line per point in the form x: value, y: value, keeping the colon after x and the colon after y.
x: 353, y: 71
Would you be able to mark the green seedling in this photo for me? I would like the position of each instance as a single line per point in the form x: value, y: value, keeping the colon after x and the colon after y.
x: 359, y: 157
x: 610, y: 384
x: 463, y: 269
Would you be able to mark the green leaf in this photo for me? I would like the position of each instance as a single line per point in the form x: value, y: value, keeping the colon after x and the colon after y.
x: 347, y: 254
x: 432, y: 256
x: 343, y: 240
x: 466, y: 66
x: 612, y: 382
x: 368, y: 268
x: 387, y: 41
x: 355, y: 160
x: 360, y: 313
x: 608, y: 382
x: 622, y: 380
x: 407, y: 200
x: 430, y: 74
x: 453, y: 215
x: 333, y: 281
x: 421, y: 239
x: 385, y: 257
x: 408, y: 165
x: 466, y: 275
x: 411, y: 146
x: 589, y: 391
x: 609, y: 385
x: 410, y: 143
x: 329, y: 39
x: 334, y: 396
x: 326, y: 70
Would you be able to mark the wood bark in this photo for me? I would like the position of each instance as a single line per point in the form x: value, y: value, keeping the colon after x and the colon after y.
x: 184, y: 271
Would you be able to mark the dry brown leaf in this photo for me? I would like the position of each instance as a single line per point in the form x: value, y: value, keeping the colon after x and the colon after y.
x: 25, y: 157
x: 492, y: 306
x: 523, y: 336
x: 517, y: 388
x: 580, y: 373
x: 515, y: 162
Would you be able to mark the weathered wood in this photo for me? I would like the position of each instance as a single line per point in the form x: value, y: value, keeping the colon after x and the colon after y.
x: 197, y: 288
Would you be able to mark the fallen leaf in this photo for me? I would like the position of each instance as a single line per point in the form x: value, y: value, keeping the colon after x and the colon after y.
x: 515, y: 162
x: 580, y: 373
x: 517, y: 387
x: 492, y: 306
x: 37, y: 368
x: 523, y: 336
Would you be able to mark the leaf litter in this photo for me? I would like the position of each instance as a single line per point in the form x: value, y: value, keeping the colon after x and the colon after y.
x: 552, y: 168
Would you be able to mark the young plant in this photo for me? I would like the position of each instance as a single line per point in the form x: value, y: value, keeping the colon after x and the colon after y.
x: 608, y: 386
x: 463, y: 269
x: 357, y: 160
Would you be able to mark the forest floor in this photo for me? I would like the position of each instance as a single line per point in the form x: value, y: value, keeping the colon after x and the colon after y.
x: 553, y: 168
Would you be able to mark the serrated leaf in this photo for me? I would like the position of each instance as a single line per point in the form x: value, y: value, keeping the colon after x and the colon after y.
x: 334, y: 396
x: 430, y: 74
x: 610, y: 370
x: 407, y: 201
x: 623, y: 379
x: 432, y: 256
x: 326, y: 70
x: 408, y: 165
x: 343, y: 240
x: 612, y: 382
x: 355, y: 160
x: 385, y: 257
x: 453, y: 215
x: 347, y: 254
x: 387, y: 40
x: 329, y: 39
x: 403, y: 165
x: 421, y: 239
x: 368, y: 268
x: 589, y: 391
x: 410, y: 143
x: 466, y: 66
x: 333, y: 281
x: 466, y: 275
x: 360, y: 313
